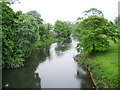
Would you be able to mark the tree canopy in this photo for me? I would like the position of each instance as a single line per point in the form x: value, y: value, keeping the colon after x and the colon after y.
x: 93, y: 12
x: 62, y: 29
x: 95, y: 34
x: 36, y: 15
x: 20, y: 31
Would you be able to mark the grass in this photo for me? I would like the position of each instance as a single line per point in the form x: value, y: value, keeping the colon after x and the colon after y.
x: 108, y: 63
x: 103, y: 65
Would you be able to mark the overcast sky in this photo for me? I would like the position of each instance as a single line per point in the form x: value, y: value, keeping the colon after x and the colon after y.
x: 67, y: 10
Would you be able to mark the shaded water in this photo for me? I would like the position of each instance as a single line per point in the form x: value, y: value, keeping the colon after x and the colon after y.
x: 50, y: 67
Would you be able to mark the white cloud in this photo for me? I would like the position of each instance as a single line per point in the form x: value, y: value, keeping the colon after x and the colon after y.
x: 68, y: 10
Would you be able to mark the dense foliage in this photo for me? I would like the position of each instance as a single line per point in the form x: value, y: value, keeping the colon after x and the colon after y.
x: 36, y: 15
x: 19, y: 34
x: 7, y: 32
x: 62, y: 29
x: 95, y: 33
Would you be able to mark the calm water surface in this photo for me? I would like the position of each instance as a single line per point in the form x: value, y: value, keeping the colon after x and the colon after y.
x: 50, y: 67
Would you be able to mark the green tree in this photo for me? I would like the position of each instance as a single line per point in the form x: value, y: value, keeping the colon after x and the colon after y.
x: 26, y: 32
x: 49, y: 26
x: 87, y: 13
x: 43, y: 28
x: 70, y: 26
x: 7, y: 32
x: 62, y: 29
x: 43, y: 32
x: 93, y: 12
x: 36, y: 15
x: 95, y: 33
x: 20, y: 33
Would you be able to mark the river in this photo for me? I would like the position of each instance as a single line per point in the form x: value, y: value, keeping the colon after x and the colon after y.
x: 51, y: 66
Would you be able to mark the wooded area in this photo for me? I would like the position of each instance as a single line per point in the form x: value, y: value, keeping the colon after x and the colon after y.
x: 21, y: 32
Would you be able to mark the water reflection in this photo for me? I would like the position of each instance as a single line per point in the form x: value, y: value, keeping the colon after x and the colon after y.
x: 84, y: 76
x: 49, y: 67
x: 26, y: 77
x: 63, y: 46
x: 60, y: 70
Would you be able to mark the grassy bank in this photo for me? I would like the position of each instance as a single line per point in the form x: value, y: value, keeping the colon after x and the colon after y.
x: 104, y: 66
x: 108, y: 63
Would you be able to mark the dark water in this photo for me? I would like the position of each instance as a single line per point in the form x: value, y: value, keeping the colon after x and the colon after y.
x: 50, y: 67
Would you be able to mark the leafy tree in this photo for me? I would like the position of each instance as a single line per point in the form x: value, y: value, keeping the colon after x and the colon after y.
x: 7, y: 32
x: 70, y: 26
x: 19, y: 33
x: 95, y: 33
x: 62, y: 29
x: 26, y: 32
x: 87, y: 13
x: 93, y: 12
x: 49, y: 26
x: 43, y: 32
x: 36, y: 15
x: 43, y: 28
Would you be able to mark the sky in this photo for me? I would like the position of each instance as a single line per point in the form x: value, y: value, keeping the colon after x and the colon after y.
x: 67, y: 10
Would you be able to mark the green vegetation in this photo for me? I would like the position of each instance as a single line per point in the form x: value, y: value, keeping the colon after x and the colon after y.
x: 99, y: 48
x: 95, y: 33
x: 62, y: 29
x: 108, y: 62
x: 20, y: 34
x: 103, y: 65
x: 93, y: 12
x: 47, y: 42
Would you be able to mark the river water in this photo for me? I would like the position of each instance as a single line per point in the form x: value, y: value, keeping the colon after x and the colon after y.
x: 51, y: 66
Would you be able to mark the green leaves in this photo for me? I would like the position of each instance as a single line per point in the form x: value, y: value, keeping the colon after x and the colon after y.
x: 36, y: 15
x: 62, y: 29
x: 19, y: 33
x: 95, y: 33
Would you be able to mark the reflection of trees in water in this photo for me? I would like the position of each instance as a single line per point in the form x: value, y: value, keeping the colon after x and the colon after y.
x: 63, y: 46
x: 40, y: 54
x: 83, y: 75
x: 25, y: 77
x: 75, y: 36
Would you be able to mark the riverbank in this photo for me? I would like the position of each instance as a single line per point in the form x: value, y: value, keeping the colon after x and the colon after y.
x: 46, y: 42
x: 49, y: 41
x: 50, y: 66
x: 103, y: 66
